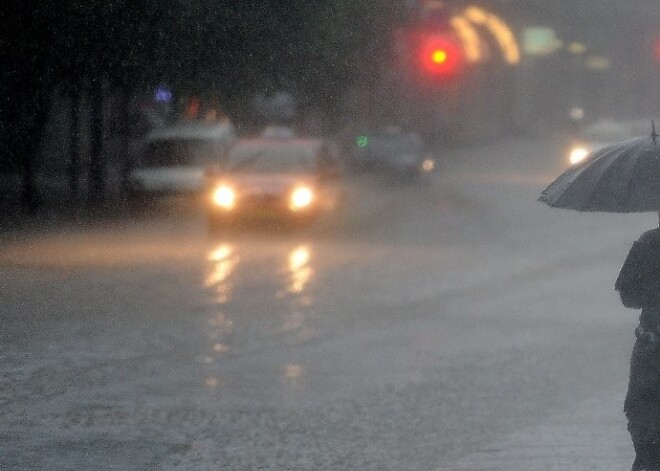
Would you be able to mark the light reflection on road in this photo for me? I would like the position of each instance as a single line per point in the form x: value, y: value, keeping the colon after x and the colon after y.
x: 293, y: 370
x: 222, y: 260
x: 299, y: 276
x: 212, y: 382
x: 223, y: 263
x: 271, y: 282
x: 220, y: 348
x: 300, y: 271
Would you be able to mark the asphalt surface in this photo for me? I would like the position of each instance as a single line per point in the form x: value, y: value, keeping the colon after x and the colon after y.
x: 453, y: 325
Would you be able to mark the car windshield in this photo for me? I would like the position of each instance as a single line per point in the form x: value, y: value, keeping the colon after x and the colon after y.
x: 182, y: 152
x: 393, y: 146
x: 265, y: 159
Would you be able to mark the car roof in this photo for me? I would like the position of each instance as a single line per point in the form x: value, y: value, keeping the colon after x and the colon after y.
x: 204, y: 131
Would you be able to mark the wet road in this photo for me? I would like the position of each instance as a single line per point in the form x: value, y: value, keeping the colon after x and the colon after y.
x: 415, y: 329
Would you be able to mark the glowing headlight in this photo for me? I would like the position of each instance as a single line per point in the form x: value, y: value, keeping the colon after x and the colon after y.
x: 577, y: 155
x: 224, y: 197
x: 428, y: 165
x: 301, y: 197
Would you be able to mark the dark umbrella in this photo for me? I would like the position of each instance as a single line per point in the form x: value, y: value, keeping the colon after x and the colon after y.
x: 622, y: 178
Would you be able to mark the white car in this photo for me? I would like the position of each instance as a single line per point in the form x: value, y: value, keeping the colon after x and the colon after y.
x: 292, y: 179
x: 176, y: 158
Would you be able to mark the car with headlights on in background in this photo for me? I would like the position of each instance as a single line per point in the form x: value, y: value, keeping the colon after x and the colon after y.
x: 604, y: 133
x: 393, y: 152
x: 283, y: 179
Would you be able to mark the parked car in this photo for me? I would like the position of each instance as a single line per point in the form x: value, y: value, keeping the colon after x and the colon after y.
x: 176, y: 158
x: 292, y: 179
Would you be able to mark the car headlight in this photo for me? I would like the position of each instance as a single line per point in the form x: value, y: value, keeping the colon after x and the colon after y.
x: 225, y: 197
x: 301, y: 198
x: 577, y: 155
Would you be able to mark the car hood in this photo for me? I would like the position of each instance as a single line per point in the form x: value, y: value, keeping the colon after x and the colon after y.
x: 259, y: 184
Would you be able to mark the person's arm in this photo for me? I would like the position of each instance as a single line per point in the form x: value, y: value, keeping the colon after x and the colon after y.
x: 631, y: 282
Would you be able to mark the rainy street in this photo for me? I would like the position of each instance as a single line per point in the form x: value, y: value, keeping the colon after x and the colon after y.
x: 414, y: 329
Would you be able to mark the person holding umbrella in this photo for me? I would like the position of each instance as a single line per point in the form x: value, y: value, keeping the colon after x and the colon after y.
x: 625, y: 178
x: 638, y: 284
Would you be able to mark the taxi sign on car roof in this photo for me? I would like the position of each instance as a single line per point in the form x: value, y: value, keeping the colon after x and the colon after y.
x: 212, y: 131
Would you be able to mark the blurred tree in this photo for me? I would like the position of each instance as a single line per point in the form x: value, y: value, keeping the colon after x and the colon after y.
x: 25, y: 79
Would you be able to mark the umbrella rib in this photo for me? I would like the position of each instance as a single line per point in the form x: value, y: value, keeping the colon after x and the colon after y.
x: 579, y: 195
x: 632, y: 182
x: 643, y: 184
x: 614, y: 178
x: 564, y: 182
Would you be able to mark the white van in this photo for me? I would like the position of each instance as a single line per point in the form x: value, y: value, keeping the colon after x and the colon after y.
x: 175, y: 159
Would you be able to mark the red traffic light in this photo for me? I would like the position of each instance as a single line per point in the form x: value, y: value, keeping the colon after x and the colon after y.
x: 440, y: 56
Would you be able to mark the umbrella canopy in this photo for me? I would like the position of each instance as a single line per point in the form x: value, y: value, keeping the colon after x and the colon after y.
x: 622, y: 178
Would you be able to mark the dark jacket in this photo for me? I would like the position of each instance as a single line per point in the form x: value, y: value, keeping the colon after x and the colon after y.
x: 638, y: 282
x: 638, y: 285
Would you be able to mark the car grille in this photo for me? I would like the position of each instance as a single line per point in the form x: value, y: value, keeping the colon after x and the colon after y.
x: 268, y: 201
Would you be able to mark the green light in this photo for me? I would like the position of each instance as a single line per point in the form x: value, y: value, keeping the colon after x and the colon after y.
x: 362, y: 141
